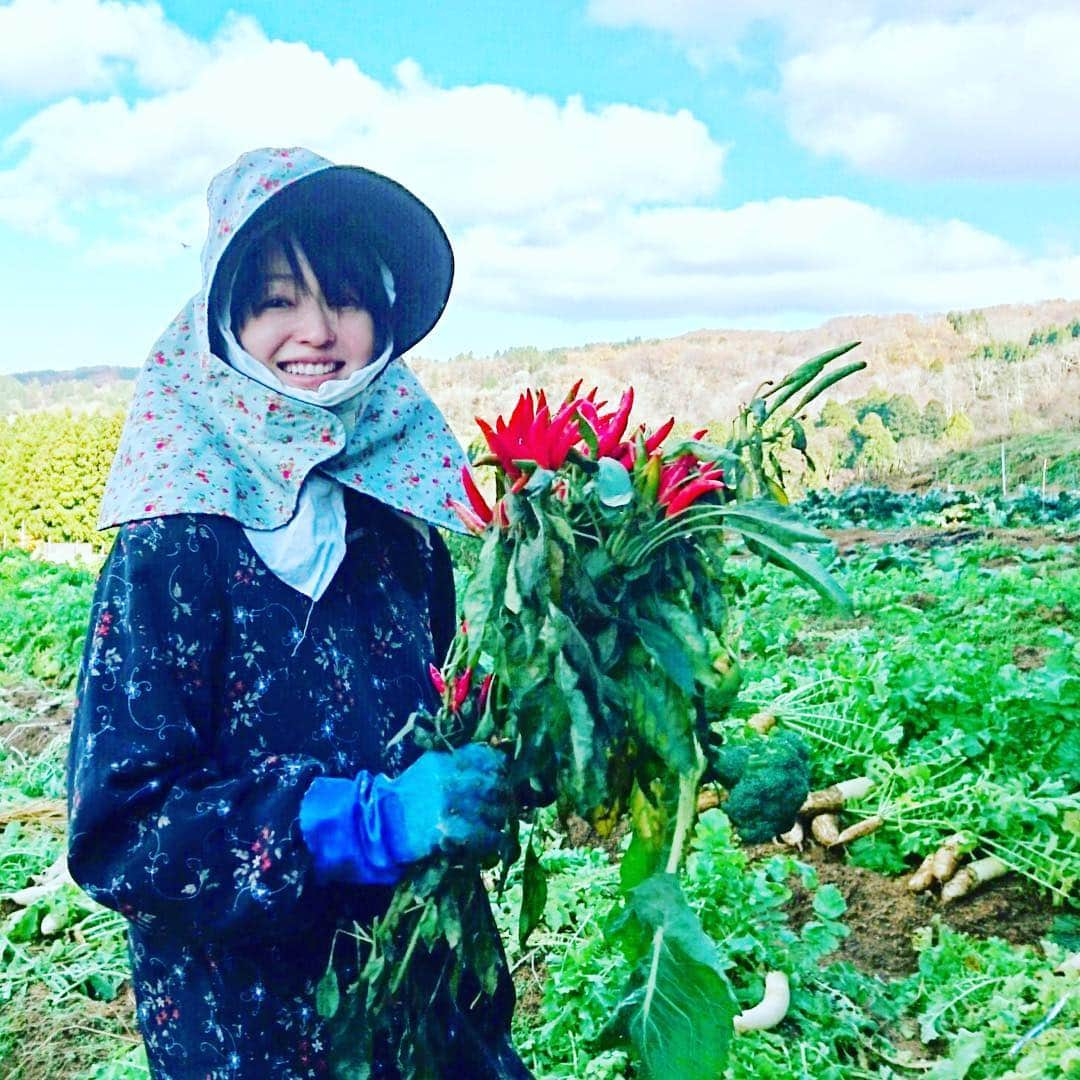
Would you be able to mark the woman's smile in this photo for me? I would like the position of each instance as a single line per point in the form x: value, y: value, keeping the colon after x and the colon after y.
x: 308, y: 374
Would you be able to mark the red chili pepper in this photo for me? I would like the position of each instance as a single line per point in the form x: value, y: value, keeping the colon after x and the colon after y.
x: 658, y: 436
x: 536, y: 439
x: 476, y: 500
x: 461, y: 689
x: 468, y: 518
x: 679, y: 487
x: 563, y: 433
x: 496, y: 443
x: 615, y: 425
x: 610, y: 428
x: 672, y: 475
x: 485, y: 689
x: 532, y: 434
x: 694, y: 490
x: 436, y: 679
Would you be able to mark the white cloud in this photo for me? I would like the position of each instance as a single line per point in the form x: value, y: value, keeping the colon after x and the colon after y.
x: 152, y: 239
x: 978, y: 98
x: 54, y: 47
x: 822, y: 256
x: 705, y: 26
x: 484, y: 152
x: 935, y: 89
x: 557, y: 210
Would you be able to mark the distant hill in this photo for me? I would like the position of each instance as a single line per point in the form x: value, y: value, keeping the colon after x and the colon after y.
x: 87, y: 389
x: 1010, y: 369
x: 1014, y: 367
x: 96, y: 376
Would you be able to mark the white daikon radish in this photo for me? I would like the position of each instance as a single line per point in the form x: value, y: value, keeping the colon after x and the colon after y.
x: 971, y: 876
x: 771, y: 1009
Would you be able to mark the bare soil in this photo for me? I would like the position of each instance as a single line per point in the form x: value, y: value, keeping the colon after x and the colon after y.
x: 927, y: 536
x: 883, y: 915
x: 42, y: 717
x: 44, y: 1049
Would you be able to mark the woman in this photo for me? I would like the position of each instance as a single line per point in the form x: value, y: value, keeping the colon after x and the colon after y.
x: 263, y: 628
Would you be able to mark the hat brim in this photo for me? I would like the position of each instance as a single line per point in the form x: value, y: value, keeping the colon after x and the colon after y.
x: 403, y: 231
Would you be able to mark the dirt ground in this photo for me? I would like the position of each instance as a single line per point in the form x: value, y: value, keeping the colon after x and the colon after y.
x: 926, y: 536
x: 883, y: 915
x: 41, y: 718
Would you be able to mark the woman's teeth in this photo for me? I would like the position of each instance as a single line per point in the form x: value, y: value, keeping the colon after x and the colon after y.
x: 298, y: 367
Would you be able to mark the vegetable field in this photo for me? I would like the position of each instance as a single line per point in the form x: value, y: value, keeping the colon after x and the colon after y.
x: 951, y: 691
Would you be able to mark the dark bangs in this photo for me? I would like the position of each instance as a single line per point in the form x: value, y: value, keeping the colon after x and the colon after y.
x: 341, y: 258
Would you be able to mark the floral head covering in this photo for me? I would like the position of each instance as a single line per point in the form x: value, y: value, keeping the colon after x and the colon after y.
x: 203, y: 437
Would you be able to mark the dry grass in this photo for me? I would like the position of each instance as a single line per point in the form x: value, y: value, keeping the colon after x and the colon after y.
x: 702, y: 376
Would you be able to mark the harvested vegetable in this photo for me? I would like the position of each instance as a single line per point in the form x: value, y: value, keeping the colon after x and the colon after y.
x: 795, y: 836
x: 947, y: 858
x: 834, y: 798
x: 772, y: 1008
x: 860, y: 829
x: 825, y: 829
x: 768, y: 778
x: 971, y: 877
x: 762, y: 722
x: 923, y: 878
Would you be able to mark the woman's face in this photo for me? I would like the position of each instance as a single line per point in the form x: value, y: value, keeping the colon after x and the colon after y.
x: 294, y: 332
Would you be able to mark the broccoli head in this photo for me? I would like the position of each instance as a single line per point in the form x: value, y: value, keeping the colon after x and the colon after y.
x: 768, y: 779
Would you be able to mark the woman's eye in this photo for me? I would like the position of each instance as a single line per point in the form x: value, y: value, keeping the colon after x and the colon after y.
x: 274, y: 302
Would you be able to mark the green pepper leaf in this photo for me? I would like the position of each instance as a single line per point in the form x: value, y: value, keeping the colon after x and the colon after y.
x: 533, y: 894
x: 613, y: 483
x: 512, y: 594
x: 327, y: 994
x: 667, y: 650
x: 799, y: 563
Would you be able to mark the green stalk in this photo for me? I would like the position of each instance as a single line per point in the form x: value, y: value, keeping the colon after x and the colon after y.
x: 684, y: 820
x: 677, y: 530
x: 684, y: 817
x: 403, y: 967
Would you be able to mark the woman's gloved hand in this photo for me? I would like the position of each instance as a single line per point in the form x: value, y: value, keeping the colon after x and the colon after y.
x: 368, y: 830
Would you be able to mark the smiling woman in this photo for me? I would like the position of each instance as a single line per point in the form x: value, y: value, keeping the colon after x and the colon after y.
x: 262, y: 631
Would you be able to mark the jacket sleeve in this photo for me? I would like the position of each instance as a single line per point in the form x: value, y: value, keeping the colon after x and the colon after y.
x: 158, y: 829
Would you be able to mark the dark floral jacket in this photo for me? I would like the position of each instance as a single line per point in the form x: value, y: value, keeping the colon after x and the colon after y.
x: 209, y: 697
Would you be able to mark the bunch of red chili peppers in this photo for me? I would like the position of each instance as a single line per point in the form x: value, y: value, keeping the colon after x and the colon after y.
x: 578, y: 432
x: 456, y: 693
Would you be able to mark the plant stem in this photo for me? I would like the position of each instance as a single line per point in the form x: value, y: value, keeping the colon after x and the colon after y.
x: 405, y: 960
x: 684, y: 818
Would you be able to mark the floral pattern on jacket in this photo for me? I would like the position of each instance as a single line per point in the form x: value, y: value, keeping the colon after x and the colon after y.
x: 210, y: 695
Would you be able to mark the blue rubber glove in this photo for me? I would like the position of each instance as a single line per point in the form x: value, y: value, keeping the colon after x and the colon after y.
x: 368, y: 830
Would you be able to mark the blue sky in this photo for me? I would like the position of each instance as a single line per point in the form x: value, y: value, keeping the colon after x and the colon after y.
x: 606, y: 168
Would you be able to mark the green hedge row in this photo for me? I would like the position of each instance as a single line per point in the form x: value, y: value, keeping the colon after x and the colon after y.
x: 55, y: 465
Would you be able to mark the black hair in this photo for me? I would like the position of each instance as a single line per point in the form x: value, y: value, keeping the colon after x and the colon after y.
x: 340, y: 256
